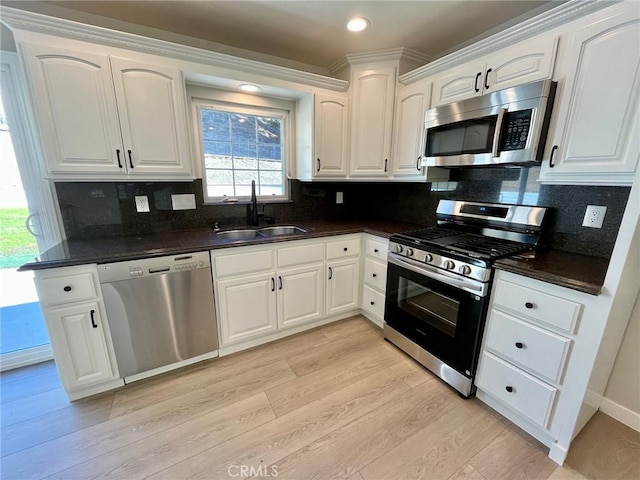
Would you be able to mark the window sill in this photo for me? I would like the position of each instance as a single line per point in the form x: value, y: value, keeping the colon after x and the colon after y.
x: 247, y: 202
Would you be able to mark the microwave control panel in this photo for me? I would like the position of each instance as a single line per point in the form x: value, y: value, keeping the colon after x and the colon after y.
x: 515, y: 130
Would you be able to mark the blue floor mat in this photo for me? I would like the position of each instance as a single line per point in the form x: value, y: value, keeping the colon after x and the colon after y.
x: 22, y: 326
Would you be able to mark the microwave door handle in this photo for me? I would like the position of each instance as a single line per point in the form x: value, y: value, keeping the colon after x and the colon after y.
x: 433, y: 273
x: 495, y: 149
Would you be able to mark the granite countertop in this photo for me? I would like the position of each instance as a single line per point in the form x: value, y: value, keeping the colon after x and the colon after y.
x: 584, y: 273
x: 117, y: 249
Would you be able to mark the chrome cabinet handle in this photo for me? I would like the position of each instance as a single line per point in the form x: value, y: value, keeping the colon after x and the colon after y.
x: 93, y: 320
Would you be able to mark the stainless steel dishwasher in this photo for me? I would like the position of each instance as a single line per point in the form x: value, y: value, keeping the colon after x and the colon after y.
x: 160, y: 310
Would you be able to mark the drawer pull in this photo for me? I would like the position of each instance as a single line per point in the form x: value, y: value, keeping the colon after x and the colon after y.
x: 345, y: 249
x: 374, y: 275
x: 519, y: 345
x: 373, y: 303
x: 509, y: 389
x: 67, y: 288
x: 375, y: 250
x: 529, y: 305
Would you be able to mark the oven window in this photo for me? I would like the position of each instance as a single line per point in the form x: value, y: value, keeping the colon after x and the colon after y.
x: 460, y: 138
x: 428, y: 306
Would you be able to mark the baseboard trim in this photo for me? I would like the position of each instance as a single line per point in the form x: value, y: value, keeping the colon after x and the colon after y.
x: 630, y: 418
x: 22, y: 358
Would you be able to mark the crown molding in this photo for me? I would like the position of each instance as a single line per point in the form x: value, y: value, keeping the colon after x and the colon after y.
x: 17, y: 19
x: 555, y: 17
x: 391, y: 54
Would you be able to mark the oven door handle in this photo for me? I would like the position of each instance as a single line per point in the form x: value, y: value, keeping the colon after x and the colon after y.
x: 422, y: 269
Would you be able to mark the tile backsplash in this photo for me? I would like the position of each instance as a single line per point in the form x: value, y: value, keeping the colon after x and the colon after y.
x: 98, y: 209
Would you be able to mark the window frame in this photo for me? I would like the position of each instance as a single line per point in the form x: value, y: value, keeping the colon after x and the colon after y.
x: 250, y: 105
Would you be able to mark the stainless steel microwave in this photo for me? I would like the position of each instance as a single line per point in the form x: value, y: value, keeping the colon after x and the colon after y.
x: 504, y: 127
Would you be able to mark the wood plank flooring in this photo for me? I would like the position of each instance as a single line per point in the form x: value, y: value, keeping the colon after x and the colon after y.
x: 334, y: 402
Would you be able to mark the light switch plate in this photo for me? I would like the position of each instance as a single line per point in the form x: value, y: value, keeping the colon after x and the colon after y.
x: 186, y: 201
x: 142, y: 203
x: 594, y: 216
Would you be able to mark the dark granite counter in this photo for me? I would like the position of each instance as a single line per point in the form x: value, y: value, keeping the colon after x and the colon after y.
x: 584, y: 273
x: 117, y: 249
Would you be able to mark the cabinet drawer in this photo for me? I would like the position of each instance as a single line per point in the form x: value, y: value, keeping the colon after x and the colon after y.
x: 545, y: 308
x: 377, y: 249
x: 343, y: 248
x: 373, y: 301
x: 246, y: 262
x: 537, y: 349
x: 375, y: 273
x: 288, y: 256
x: 66, y: 289
x: 520, y: 391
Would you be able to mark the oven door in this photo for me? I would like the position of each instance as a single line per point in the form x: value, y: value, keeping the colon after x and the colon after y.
x: 440, y: 317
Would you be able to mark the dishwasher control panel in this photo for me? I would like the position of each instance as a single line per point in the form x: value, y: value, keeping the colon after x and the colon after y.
x: 113, y: 272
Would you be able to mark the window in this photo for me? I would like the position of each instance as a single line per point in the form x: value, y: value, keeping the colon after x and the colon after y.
x: 241, y: 144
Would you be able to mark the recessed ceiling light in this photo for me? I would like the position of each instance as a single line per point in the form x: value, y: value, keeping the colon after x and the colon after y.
x: 247, y: 87
x: 357, y: 24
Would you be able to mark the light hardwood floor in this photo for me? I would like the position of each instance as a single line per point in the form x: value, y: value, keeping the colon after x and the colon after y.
x: 334, y: 402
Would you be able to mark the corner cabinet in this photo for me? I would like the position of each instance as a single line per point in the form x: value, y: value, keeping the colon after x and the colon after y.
x: 595, y: 138
x: 412, y: 101
x: 521, y: 63
x: 372, y: 102
x: 74, y: 314
x: 107, y: 116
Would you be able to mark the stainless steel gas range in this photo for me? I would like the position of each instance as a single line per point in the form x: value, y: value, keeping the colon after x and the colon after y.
x: 439, y: 280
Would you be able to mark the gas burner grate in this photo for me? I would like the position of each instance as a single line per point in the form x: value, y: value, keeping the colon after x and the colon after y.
x: 430, y: 234
x: 490, y: 247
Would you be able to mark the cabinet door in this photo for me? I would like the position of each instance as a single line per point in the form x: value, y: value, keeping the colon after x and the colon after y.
x: 371, y: 121
x: 342, y: 286
x: 523, y: 63
x: 596, y: 138
x: 458, y: 83
x: 75, y: 108
x: 412, y: 102
x: 151, y: 107
x: 247, y: 307
x: 330, y: 136
x: 300, y: 294
x: 78, y: 340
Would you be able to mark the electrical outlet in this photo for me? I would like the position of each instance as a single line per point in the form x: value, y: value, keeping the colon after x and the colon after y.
x: 339, y: 197
x: 594, y: 216
x: 142, y: 203
x: 185, y: 201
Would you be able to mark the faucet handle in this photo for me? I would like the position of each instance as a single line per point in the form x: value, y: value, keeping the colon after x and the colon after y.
x: 216, y: 227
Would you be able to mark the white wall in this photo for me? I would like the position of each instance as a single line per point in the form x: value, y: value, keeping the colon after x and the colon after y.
x: 624, y: 384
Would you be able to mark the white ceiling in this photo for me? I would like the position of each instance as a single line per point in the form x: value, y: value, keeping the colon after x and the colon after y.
x: 311, y: 32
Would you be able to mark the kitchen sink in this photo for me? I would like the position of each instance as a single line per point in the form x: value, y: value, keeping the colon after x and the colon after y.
x: 244, y: 234
x: 283, y: 230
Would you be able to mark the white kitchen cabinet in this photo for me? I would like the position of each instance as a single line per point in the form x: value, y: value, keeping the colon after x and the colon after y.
x: 101, y: 115
x: 331, y: 134
x: 595, y: 135
x: 300, y: 294
x: 372, y: 101
x: 73, y: 310
x: 342, y: 285
x: 374, y: 278
x: 524, y: 62
x: 408, y: 134
x: 247, y: 307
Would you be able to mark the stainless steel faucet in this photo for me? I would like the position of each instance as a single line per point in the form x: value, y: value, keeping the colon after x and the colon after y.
x: 252, y: 208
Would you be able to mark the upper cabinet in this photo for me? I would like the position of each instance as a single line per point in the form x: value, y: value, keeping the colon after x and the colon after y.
x: 372, y: 101
x: 322, y: 136
x: 524, y: 62
x: 412, y: 101
x: 101, y: 115
x: 595, y: 138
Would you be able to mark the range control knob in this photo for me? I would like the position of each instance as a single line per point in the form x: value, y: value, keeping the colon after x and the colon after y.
x: 429, y: 258
x: 449, y: 265
x: 399, y: 248
x: 409, y: 252
x: 465, y: 269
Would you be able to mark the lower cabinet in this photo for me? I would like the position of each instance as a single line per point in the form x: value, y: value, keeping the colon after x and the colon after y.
x: 375, y: 278
x: 342, y: 285
x: 73, y: 311
x: 300, y: 295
